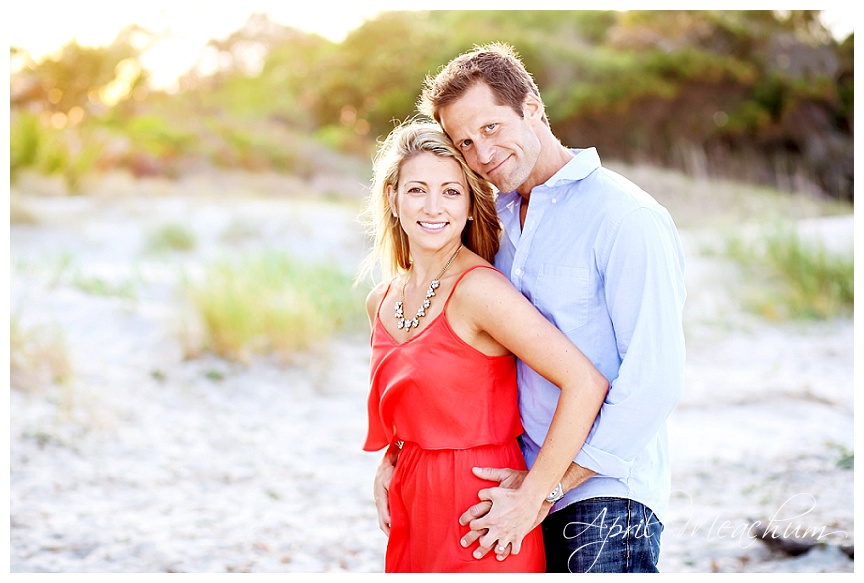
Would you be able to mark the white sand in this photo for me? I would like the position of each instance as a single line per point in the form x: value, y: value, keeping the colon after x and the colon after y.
x: 146, y: 462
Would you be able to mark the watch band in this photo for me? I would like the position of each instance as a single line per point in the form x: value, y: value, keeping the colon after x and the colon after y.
x: 556, y: 494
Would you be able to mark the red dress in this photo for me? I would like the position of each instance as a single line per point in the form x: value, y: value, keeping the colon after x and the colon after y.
x: 454, y: 408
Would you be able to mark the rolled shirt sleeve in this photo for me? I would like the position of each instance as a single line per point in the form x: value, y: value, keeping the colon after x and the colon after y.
x: 643, y: 268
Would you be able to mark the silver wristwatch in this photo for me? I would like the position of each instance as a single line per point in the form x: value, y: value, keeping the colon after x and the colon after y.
x: 556, y: 494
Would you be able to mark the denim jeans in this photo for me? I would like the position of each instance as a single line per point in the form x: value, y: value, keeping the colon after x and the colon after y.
x: 602, y: 535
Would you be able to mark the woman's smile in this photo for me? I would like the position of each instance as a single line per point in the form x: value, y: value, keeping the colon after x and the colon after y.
x: 432, y: 227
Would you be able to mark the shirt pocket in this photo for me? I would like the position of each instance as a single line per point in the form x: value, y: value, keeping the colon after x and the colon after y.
x: 563, y: 295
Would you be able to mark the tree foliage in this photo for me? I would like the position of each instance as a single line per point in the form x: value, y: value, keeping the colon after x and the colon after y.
x: 761, y: 95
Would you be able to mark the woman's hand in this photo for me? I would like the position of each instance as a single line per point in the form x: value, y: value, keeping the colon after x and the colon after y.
x: 381, y: 490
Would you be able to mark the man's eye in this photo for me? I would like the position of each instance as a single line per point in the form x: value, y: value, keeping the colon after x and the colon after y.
x: 465, y: 144
x: 491, y: 127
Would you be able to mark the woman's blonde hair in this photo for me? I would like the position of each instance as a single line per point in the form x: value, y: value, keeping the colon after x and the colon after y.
x: 390, y: 248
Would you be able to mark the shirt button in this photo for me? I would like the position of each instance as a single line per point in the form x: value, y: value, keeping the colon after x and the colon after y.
x: 518, y: 271
x: 554, y: 200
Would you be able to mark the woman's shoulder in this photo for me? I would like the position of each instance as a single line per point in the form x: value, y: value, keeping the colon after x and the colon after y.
x: 375, y: 297
x: 378, y: 291
x: 479, y: 280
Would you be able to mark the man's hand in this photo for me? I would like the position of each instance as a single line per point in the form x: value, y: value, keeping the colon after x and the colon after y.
x: 476, y: 516
x: 381, y: 490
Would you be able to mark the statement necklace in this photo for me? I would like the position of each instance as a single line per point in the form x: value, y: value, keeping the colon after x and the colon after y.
x: 408, y: 323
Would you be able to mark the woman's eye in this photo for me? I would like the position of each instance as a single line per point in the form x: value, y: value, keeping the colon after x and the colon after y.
x: 452, y: 192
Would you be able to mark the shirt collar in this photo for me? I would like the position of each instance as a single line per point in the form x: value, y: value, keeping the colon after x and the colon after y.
x: 584, y: 162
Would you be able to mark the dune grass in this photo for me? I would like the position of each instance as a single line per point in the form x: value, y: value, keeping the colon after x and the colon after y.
x: 38, y: 356
x: 270, y: 303
x: 793, y: 277
x: 101, y: 286
x: 171, y: 237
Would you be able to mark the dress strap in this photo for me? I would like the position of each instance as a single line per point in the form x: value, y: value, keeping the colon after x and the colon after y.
x: 381, y: 303
x: 463, y: 274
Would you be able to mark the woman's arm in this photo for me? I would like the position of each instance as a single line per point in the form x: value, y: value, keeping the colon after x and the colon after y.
x: 384, y: 473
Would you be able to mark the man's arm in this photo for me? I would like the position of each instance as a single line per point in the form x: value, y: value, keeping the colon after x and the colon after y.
x: 643, y: 266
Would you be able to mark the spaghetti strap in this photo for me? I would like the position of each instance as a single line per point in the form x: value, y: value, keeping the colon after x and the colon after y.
x: 381, y: 303
x: 463, y: 274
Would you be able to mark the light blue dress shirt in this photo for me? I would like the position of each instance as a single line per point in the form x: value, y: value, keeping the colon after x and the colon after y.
x: 601, y: 259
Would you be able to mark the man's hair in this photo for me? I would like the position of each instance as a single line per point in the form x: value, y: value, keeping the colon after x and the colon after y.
x: 495, y: 64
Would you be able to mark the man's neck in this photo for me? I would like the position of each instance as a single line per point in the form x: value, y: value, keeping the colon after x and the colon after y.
x: 553, y: 157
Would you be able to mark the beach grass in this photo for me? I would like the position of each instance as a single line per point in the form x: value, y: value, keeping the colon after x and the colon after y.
x: 38, y: 356
x: 171, y: 237
x: 791, y: 276
x: 271, y: 303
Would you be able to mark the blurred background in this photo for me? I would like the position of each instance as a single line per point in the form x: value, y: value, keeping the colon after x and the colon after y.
x: 762, y: 96
x: 189, y: 350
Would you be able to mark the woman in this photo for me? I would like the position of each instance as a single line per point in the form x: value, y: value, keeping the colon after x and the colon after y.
x: 445, y: 328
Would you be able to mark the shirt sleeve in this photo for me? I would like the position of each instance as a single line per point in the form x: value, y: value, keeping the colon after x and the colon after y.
x: 643, y: 269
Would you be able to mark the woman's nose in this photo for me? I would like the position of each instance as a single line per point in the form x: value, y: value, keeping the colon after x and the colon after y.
x: 433, y: 203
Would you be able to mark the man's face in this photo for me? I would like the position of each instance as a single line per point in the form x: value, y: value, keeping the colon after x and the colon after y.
x: 497, y: 143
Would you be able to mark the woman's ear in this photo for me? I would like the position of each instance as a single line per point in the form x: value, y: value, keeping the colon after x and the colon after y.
x: 391, y: 197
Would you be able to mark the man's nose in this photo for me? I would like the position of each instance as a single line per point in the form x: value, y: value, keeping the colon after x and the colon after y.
x: 484, y: 152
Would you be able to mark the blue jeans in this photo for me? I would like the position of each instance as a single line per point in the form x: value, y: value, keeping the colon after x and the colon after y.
x: 602, y: 535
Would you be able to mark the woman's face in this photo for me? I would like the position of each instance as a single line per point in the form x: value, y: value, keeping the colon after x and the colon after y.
x: 433, y: 201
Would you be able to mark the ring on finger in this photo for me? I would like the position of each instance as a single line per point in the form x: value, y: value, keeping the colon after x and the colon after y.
x: 500, y: 549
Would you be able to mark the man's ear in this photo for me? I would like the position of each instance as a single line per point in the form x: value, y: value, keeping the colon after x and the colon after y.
x: 532, y: 107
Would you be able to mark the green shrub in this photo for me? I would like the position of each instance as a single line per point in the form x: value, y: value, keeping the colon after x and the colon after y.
x: 25, y: 136
x: 47, y: 150
x: 158, y: 137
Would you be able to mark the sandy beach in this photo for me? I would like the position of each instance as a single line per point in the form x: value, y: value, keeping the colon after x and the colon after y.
x: 147, y: 461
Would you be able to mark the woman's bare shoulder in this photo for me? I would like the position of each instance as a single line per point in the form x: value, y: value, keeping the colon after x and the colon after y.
x: 481, y: 283
x: 375, y: 297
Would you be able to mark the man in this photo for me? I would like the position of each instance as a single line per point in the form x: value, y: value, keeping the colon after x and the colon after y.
x: 602, y: 260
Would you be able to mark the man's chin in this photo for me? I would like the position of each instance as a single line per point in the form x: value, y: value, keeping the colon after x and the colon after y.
x: 505, y: 188
x: 502, y: 186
